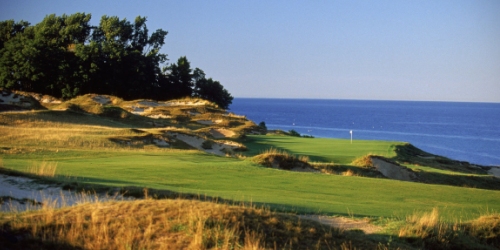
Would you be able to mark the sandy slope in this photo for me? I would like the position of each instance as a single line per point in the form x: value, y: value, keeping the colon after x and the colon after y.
x: 22, y: 193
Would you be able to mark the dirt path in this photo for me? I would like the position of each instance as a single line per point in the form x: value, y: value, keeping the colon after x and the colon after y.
x: 344, y: 223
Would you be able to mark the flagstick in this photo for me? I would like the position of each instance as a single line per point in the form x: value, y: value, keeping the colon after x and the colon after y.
x: 351, y: 135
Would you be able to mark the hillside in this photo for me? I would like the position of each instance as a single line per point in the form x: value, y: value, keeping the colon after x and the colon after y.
x: 191, y: 149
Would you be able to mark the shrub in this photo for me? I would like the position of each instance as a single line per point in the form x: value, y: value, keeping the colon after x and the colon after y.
x: 293, y: 133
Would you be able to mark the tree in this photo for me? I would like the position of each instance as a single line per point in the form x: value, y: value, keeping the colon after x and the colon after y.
x: 178, y: 80
x: 9, y: 29
x: 40, y: 58
x: 211, y: 90
x: 65, y: 56
x: 128, y: 58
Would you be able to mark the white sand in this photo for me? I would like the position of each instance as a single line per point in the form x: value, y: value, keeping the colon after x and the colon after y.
x: 21, y: 188
x: 10, y: 99
x: 161, y: 143
x: 221, y: 133
x: 101, y: 99
x: 196, y: 142
x: 495, y: 171
x: 151, y: 103
x: 158, y: 116
x: 392, y: 171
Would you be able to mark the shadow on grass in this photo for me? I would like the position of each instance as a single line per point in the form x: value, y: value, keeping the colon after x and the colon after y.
x: 23, y: 239
x: 468, y: 181
x: 81, y: 118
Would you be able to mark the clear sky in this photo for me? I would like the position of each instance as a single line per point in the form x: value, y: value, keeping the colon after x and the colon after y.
x: 380, y: 50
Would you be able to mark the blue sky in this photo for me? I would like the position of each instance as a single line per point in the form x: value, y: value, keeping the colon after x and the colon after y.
x: 378, y: 50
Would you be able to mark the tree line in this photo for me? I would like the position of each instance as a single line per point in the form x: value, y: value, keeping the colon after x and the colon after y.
x: 64, y: 56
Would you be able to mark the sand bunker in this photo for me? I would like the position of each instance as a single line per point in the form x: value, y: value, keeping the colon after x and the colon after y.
x: 218, y: 147
x: 22, y: 193
x: 393, y: 171
x: 139, y: 110
x: 221, y: 133
x: 187, y: 103
x: 151, y: 103
x: 101, y: 99
x: 13, y: 99
x: 158, y: 116
x: 495, y: 171
x: 161, y: 143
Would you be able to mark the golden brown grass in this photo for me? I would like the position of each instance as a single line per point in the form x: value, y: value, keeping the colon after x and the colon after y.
x: 276, y: 158
x: 363, y: 161
x: 429, y: 231
x: 170, y: 224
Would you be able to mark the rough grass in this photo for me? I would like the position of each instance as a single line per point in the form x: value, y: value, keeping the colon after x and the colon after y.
x: 274, y: 158
x: 170, y: 224
x: 81, y: 144
x: 193, y: 172
x: 363, y: 161
x: 47, y: 169
x: 346, y: 170
x: 428, y: 231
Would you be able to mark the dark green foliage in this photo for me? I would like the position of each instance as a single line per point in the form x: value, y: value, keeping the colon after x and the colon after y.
x: 293, y: 133
x: 211, y: 90
x: 64, y: 56
x: 178, y: 80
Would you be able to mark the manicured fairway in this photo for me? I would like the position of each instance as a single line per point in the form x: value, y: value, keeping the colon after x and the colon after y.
x: 321, y: 149
x: 242, y: 180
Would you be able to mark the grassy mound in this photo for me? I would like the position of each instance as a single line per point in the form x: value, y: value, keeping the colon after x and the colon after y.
x: 274, y: 158
x: 169, y: 224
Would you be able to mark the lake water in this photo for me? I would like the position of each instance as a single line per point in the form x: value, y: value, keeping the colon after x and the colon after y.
x: 461, y: 131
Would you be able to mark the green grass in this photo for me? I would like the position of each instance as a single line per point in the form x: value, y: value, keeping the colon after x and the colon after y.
x: 229, y: 178
x: 338, y: 151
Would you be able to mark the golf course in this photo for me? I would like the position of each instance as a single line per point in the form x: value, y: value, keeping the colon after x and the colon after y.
x: 190, y: 152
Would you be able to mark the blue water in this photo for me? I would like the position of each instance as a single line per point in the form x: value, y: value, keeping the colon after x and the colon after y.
x: 461, y: 131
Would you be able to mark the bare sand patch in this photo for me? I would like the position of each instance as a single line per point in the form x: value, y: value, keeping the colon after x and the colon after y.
x: 161, y: 143
x: 186, y: 103
x: 151, y: 103
x: 495, y: 171
x: 221, y: 133
x: 139, y: 110
x: 393, y: 171
x: 344, y: 223
x: 158, y: 116
x: 22, y: 193
x: 217, y: 148
x: 14, y: 99
x: 101, y: 99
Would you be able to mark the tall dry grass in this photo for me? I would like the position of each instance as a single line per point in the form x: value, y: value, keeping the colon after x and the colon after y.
x: 429, y: 231
x: 275, y: 158
x: 45, y: 168
x: 286, y: 155
x: 363, y: 161
x: 169, y: 224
